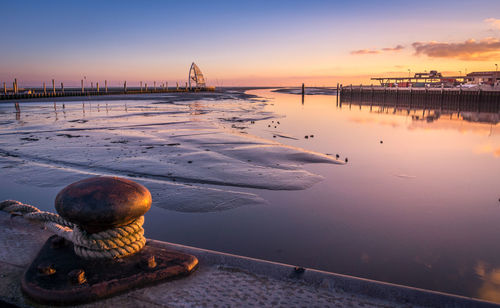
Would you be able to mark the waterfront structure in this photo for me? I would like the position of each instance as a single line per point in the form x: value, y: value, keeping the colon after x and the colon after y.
x: 196, y: 78
x: 422, y: 80
x: 490, y: 78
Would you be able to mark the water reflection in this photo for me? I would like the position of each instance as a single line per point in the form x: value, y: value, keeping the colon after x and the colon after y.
x: 490, y: 276
x: 18, y: 112
x: 476, y: 122
x: 417, y: 204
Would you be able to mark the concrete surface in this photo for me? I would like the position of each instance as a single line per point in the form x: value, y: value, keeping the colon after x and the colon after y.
x: 223, y: 280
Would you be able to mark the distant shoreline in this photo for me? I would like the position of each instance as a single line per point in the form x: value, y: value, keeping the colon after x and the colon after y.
x: 309, y: 91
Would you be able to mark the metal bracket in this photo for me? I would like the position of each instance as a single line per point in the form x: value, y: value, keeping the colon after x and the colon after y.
x: 58, y: 276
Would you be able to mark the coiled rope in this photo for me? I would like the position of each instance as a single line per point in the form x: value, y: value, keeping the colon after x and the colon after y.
x: 109, y: 244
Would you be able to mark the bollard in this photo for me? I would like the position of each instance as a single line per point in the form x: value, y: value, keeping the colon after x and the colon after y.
x: 101, y: 203
x: 44, y: 89
x: 97, y: 87
x: 103, y: 209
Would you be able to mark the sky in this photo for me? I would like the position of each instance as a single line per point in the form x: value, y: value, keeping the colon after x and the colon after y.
x: 244, y: 43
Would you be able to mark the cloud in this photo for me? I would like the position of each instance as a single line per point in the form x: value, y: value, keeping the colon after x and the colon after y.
x: 365, y: 52
x: 397, y: 48
x: 495, y: 23
x: 376, y: 51
x: 470, y: 50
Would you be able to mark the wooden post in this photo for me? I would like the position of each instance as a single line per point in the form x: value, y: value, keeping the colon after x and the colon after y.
x: 383, y: 99
x: 15, y: 86
x: 442, y: 96
x: 83, y: 89
x: 186, y: 86
x: 303, y: 92
x: 360, y: 95
x: 125, y: 86
x: 397, y: 94
x: 479, y: 100
x: 97, y: 86
x: 53, y: 86
x: 106, y: 86
x: 146, y: 86
x: 459, y: 98
x: 62, y: 87
x: 337, y: 99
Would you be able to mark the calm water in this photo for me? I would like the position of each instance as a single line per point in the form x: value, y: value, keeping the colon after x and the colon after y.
x: 421, y: 208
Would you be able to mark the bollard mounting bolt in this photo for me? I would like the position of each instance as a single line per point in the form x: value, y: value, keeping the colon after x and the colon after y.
x: 46, y: 269
x: 150, y: 262
x: 77, y: 276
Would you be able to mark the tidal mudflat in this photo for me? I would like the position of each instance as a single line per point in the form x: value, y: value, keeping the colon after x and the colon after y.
x: 257, y: 174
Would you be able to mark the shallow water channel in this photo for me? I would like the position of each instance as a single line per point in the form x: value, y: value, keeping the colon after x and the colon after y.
x: 417, y: 203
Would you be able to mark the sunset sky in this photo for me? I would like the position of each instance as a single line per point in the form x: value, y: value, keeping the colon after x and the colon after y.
x: 244, y: 43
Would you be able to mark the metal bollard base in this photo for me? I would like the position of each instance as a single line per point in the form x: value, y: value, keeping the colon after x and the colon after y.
x: 58, y: 276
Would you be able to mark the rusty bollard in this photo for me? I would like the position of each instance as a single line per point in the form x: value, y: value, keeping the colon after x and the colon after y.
x: 102, y: 203
x: 61, y: 275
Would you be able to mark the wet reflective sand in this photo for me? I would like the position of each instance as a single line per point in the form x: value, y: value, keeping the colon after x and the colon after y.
x: 416, y: 204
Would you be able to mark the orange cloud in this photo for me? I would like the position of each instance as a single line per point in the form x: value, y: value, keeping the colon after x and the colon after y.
x: 470, y: 50
x: 376, y: 51
x: 493, y: 22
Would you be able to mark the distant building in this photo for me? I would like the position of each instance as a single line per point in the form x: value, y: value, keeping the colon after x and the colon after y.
x: 490, y: 78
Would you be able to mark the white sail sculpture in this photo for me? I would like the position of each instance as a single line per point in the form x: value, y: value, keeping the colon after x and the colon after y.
x: 196, y: 78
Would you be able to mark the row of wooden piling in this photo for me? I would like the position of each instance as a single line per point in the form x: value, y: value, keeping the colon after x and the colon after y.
x: 459, y: 99
x: 15, y: 93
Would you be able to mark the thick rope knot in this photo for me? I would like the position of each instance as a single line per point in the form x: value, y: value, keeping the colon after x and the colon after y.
x: 113, y: 243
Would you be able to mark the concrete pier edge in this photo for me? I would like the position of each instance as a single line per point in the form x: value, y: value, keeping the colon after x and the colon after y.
x: 20, y: 241
x: 332, y: 281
